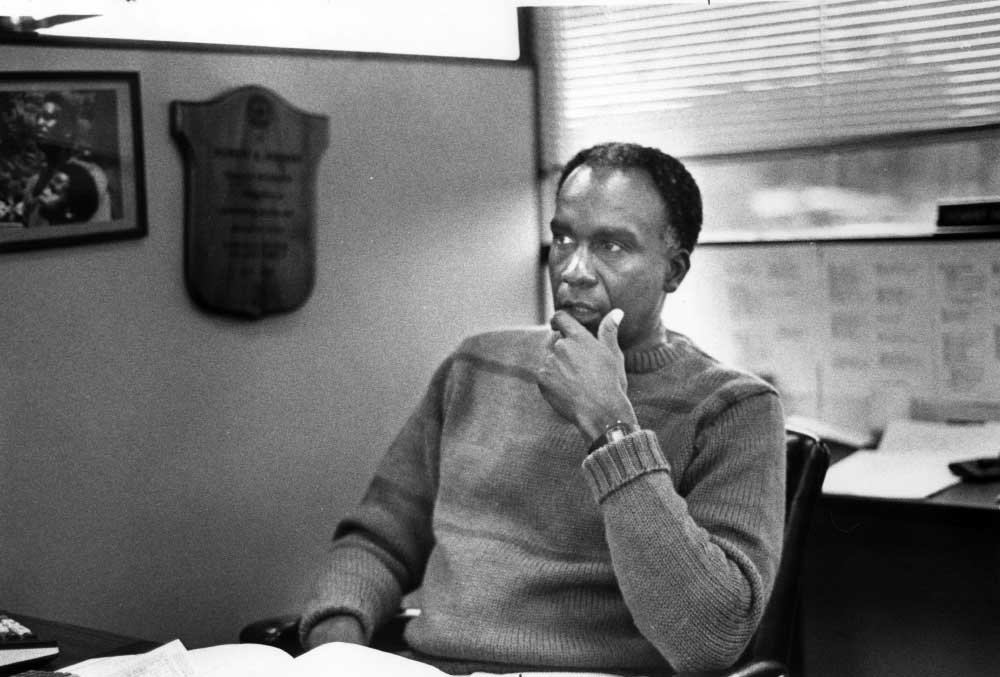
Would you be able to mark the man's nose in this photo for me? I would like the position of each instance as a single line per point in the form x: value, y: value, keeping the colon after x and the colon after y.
x: 579, y: 269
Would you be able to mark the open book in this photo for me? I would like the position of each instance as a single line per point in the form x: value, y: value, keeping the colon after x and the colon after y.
x: 255, y: 660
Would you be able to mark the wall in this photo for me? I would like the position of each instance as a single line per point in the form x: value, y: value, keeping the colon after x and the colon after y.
x: 170, y: 473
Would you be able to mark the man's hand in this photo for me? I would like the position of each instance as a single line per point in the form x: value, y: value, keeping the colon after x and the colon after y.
x: 336, y: 629
x: 583, y: 378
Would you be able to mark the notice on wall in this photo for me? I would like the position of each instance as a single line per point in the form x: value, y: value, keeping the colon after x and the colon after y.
x: 969, y: 322
x: 250, y: 195
x: 881, y: 348
x: 854, y: 334
x: 761, y: 309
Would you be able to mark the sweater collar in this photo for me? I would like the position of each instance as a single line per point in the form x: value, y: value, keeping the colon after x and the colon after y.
x: 652, y: 358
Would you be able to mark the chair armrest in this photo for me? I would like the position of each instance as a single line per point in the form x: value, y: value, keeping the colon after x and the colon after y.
x: 759, y: 668
x: 278, y: 631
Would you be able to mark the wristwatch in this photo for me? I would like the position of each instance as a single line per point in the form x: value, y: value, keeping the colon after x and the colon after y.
x: 613, y: 432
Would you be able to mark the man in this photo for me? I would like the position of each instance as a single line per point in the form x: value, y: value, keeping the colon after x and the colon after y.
x: 70, y: 196
x: 55, y: 137
x: 56, y: 123
x: 601, y: 496
x: 83, y: 184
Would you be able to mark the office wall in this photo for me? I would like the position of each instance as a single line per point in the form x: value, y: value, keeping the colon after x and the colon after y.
x: 170, y: 473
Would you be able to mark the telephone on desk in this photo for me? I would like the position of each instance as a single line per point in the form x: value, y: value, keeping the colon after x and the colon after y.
x: 985, y: 469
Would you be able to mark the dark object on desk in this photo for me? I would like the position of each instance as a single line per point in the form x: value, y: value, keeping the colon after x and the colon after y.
x: 986, y: 469
x: 974, y: 217
x: 19, y: 645
x: 973, y: 212
x: 775, y: 647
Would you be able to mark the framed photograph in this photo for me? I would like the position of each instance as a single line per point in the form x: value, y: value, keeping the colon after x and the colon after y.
x: 71, y: 164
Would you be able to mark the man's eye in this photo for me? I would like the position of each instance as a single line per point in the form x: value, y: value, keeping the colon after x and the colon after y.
x: 561, y: 239
x: 613, y: 247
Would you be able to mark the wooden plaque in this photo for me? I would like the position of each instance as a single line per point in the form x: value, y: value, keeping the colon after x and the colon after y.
x: 250, y: 196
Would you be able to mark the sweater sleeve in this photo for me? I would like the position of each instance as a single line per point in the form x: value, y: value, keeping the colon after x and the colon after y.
x: 696, y: 570
x: 379, y: 550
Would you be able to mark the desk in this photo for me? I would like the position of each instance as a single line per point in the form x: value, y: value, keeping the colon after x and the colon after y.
x: 904, y: 587
x: 76, y: 643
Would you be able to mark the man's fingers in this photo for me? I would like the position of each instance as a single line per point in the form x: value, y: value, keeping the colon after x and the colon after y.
x: 567, y: 325
x: 607, y: 332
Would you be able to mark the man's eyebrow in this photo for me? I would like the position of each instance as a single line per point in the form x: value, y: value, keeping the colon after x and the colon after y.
x: 614, y: 232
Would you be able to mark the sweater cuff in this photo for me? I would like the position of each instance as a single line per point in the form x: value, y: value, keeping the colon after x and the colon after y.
x: 358, y: 597
x: 314, y: 618
x: 615, y: 465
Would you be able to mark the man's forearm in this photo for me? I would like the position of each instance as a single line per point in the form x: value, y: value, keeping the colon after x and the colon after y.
x: 695, y: 570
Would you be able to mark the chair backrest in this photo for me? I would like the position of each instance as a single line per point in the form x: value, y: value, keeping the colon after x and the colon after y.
x: 808, y: 459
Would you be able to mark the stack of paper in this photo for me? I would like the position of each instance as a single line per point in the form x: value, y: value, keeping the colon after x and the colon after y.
x: 255, y: 660
x: 912, y: 459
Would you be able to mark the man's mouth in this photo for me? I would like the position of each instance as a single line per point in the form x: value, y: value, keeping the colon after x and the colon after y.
x: 584, y: 313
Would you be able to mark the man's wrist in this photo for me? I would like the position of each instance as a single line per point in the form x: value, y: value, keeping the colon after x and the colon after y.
x: 613, y: 432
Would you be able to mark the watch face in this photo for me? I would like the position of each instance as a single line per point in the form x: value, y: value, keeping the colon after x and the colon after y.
x: 615, y: 434
x: 618, y: 432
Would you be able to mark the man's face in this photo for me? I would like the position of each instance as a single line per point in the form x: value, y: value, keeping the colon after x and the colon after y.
x: 52, y: 125
x: 55, y: 191
x: 608, y: 251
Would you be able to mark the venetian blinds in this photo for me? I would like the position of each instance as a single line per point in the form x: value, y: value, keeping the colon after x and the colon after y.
x: 698, y: 79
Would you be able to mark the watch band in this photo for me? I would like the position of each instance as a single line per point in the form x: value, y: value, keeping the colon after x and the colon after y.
x: 613, y: 432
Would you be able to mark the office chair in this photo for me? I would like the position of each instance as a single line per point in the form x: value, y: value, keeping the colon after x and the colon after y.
x: 774, y: 651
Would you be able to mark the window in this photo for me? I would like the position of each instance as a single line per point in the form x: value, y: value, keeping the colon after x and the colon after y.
x: 810, y: 112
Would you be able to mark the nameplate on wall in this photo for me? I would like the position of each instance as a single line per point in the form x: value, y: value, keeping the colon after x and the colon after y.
x: 250, y: 198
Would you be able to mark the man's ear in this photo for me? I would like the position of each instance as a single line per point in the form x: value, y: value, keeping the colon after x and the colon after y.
x: 678, y: 264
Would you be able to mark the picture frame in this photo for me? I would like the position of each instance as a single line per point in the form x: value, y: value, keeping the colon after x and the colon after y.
x: 71, y: 159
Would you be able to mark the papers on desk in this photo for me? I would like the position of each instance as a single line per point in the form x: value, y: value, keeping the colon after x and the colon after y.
x: 255, y: 660
x: 169, y: 660
x: 336, y: 659
x: 912, y: 459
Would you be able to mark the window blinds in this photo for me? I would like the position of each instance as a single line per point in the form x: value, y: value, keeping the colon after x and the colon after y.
x: 726, y: 77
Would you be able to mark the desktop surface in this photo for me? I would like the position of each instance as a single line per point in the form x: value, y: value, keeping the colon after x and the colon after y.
x: 963, y: 504
x: 979, y: 495
x: 76, y: 643
x: 904, y: 586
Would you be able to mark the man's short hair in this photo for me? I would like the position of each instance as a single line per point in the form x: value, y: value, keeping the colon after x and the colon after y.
x: 58, y: 98
x: 66, y: 108
x: 672, y: 180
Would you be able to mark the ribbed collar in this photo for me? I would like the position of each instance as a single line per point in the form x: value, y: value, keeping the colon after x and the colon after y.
x: 650, y: 359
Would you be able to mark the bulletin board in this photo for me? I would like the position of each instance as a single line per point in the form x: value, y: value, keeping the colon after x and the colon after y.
x: 851, y: 333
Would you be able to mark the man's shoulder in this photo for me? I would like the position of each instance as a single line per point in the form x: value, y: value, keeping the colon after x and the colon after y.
x: 507, y: 337
x: 704, y: 373
x: 512, y: 344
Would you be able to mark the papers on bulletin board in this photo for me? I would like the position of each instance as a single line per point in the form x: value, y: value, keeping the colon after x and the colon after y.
x: 852, y: 333
x: 912, y: 459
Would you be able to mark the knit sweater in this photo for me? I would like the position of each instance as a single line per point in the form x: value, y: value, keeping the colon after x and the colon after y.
x: 653, y: 554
